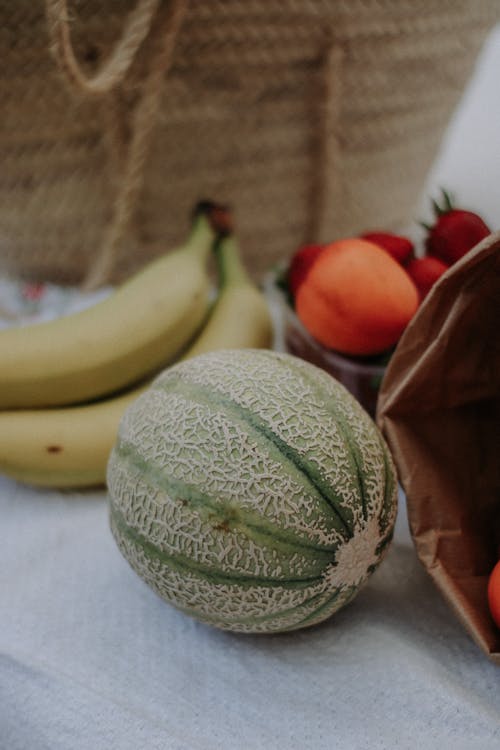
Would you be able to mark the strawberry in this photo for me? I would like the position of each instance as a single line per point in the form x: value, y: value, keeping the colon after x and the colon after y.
x: 425, y: 272
x: 454, y: 232
x: 401, y: 248
x: 299, y: 266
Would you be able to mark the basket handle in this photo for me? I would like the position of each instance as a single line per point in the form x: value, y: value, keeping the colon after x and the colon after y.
x: 114, y: 69
x: 162, y: 35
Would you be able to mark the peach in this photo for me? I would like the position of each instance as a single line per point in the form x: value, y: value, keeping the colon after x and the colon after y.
x: 356, y: 298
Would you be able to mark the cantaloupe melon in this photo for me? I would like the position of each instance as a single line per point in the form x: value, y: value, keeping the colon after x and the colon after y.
x: 250, y: 490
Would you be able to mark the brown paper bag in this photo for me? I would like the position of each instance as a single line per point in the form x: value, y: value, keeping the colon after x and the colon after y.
x: 439, y: 409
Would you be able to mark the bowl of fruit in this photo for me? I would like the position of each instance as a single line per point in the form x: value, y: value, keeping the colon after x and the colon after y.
x: 346, y: 303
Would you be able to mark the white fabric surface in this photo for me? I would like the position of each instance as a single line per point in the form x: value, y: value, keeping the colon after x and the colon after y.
x: 91, y: 659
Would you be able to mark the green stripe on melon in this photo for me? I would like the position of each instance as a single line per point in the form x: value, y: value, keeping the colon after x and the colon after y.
x: 251, y: 491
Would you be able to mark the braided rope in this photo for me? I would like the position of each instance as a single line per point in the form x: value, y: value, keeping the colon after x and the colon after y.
x: 114, y: 70
x: 325, y: 186
x: 144, y: 118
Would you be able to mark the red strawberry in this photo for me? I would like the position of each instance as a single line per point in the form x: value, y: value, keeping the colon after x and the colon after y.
x: 401, y: 248
x: 425, y: 272
x: 455, y: 231
x: 300, y: 264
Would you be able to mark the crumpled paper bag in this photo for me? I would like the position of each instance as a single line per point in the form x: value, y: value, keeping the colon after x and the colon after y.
x: 439, y: 409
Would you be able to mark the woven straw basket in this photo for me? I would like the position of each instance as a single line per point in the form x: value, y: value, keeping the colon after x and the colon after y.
x: 312, y: 118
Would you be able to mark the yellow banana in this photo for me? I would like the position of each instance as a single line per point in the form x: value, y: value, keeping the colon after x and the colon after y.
x: 62, y: 447
x: 240, y: 318
x: 141, y: 327
x: 69, y: 447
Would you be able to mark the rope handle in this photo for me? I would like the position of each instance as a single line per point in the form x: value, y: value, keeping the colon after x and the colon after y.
x: 326, y: 176
x: 114, y: 69
x: 161, y: 37
x: 143, y: 120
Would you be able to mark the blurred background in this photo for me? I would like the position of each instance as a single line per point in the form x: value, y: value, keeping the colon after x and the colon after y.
x: 469, y: 157
x: 312, y: 119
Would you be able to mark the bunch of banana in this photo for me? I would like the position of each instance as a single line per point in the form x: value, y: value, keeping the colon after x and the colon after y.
x: 139, y: 328
x: 69, y: 446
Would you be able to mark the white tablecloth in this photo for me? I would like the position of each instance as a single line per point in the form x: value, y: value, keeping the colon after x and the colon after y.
x: 91, y: 659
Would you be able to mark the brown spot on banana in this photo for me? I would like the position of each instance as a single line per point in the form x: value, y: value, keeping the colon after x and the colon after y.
x: 54, y: 448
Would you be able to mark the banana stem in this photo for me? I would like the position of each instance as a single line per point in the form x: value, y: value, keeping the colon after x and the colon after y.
x: 201, y: 237
x: 230, y: 267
